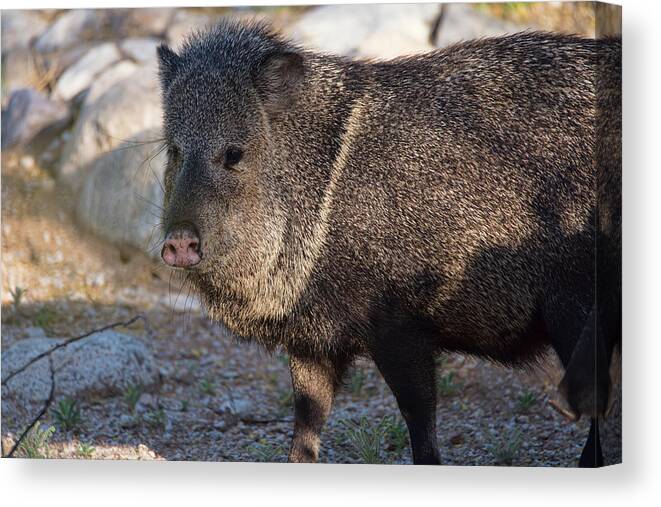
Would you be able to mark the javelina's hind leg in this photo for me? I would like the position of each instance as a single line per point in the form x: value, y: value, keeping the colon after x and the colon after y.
x: 315, y: 384
x: 411, y: 377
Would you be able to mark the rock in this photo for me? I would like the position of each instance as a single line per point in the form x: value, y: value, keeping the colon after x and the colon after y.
x: 116, y: 198
x: 464, y: 22
x: 26, y: 162
x: 19, y: 28
x: 114, y: 74
x: 145, y: 453
x: 238, y: 408
x: 19, y: 70
x: 183, y: 24
x: 69, y: 29
x: 140, y: 50
x: 28, y: 113
x: 104, y: 364
x: 80, y: 75
x: 55, y: 64
x: 149, y: 21
x: 35, y: 332
x: 131, y: 105
x: 146, y: 402
x: 369, y: 31
x: 128, y: 421
x: 7, y: 444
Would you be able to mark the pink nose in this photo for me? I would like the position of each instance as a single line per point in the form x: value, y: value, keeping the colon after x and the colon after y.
x: 181, y: 248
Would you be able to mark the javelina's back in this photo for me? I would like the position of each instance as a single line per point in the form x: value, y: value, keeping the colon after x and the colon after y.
x: 464, y: 192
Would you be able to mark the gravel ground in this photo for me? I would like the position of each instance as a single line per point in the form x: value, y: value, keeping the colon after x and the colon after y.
x: 221, y: 400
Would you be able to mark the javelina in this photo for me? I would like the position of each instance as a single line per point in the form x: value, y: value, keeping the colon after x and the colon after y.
x: 449, y: 201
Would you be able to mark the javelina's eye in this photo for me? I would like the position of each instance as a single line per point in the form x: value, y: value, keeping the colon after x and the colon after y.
x: 233, y: 156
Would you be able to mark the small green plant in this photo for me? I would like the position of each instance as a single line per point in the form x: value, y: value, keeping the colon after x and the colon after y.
x: 265, y: 452
x: 283, y: 359
x: 396, y: 432
x: 35, y: 443
x: 447, y: 385
x: 526, y: 401
x: 132, y: 395
x: 504, y: 449
x: 156, y: 418
x: 285, y: 401
x: 366, y: 440
x: 67, y: 414
x: 184, y: 405
x: 357, y: 381
x: 85, y: 451
x: 207, y: 387
x: 17, y: 295
x: 45, y: 318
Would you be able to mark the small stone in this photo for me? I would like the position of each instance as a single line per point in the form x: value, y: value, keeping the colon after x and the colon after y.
x: 27, y: 162
x: 7, y: 444
x: 221, y: 424
x: 457, y: 439
x: 128, y: 421
x: 145, y: 452
x: 147, y: 402
x: 97, y: 280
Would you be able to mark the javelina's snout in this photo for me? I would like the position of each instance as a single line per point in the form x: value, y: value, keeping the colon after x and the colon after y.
x: 182, y: 247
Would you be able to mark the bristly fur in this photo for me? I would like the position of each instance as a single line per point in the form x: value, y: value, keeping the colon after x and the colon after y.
x: 448, y: 201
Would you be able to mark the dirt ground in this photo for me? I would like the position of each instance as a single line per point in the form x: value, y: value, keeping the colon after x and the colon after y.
x: 487, y: 415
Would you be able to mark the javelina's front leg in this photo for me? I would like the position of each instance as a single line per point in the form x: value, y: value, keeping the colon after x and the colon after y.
x: 314, y: 383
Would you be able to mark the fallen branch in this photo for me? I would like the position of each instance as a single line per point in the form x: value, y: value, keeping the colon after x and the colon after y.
x: 48, y: 353
x: 44, y: 409
x: 69, y: 342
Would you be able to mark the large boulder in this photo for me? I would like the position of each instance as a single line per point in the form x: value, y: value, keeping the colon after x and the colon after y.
x: 368, y: 31
x: 27, y: 114
x: 116, y: 108
x: 121, y: 196
x: 70, y: 29
x: 104, y: 364
x: 82, y: 74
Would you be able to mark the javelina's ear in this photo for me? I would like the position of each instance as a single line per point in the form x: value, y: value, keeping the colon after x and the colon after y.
x: 279, y: 79
x: 168, y: 63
